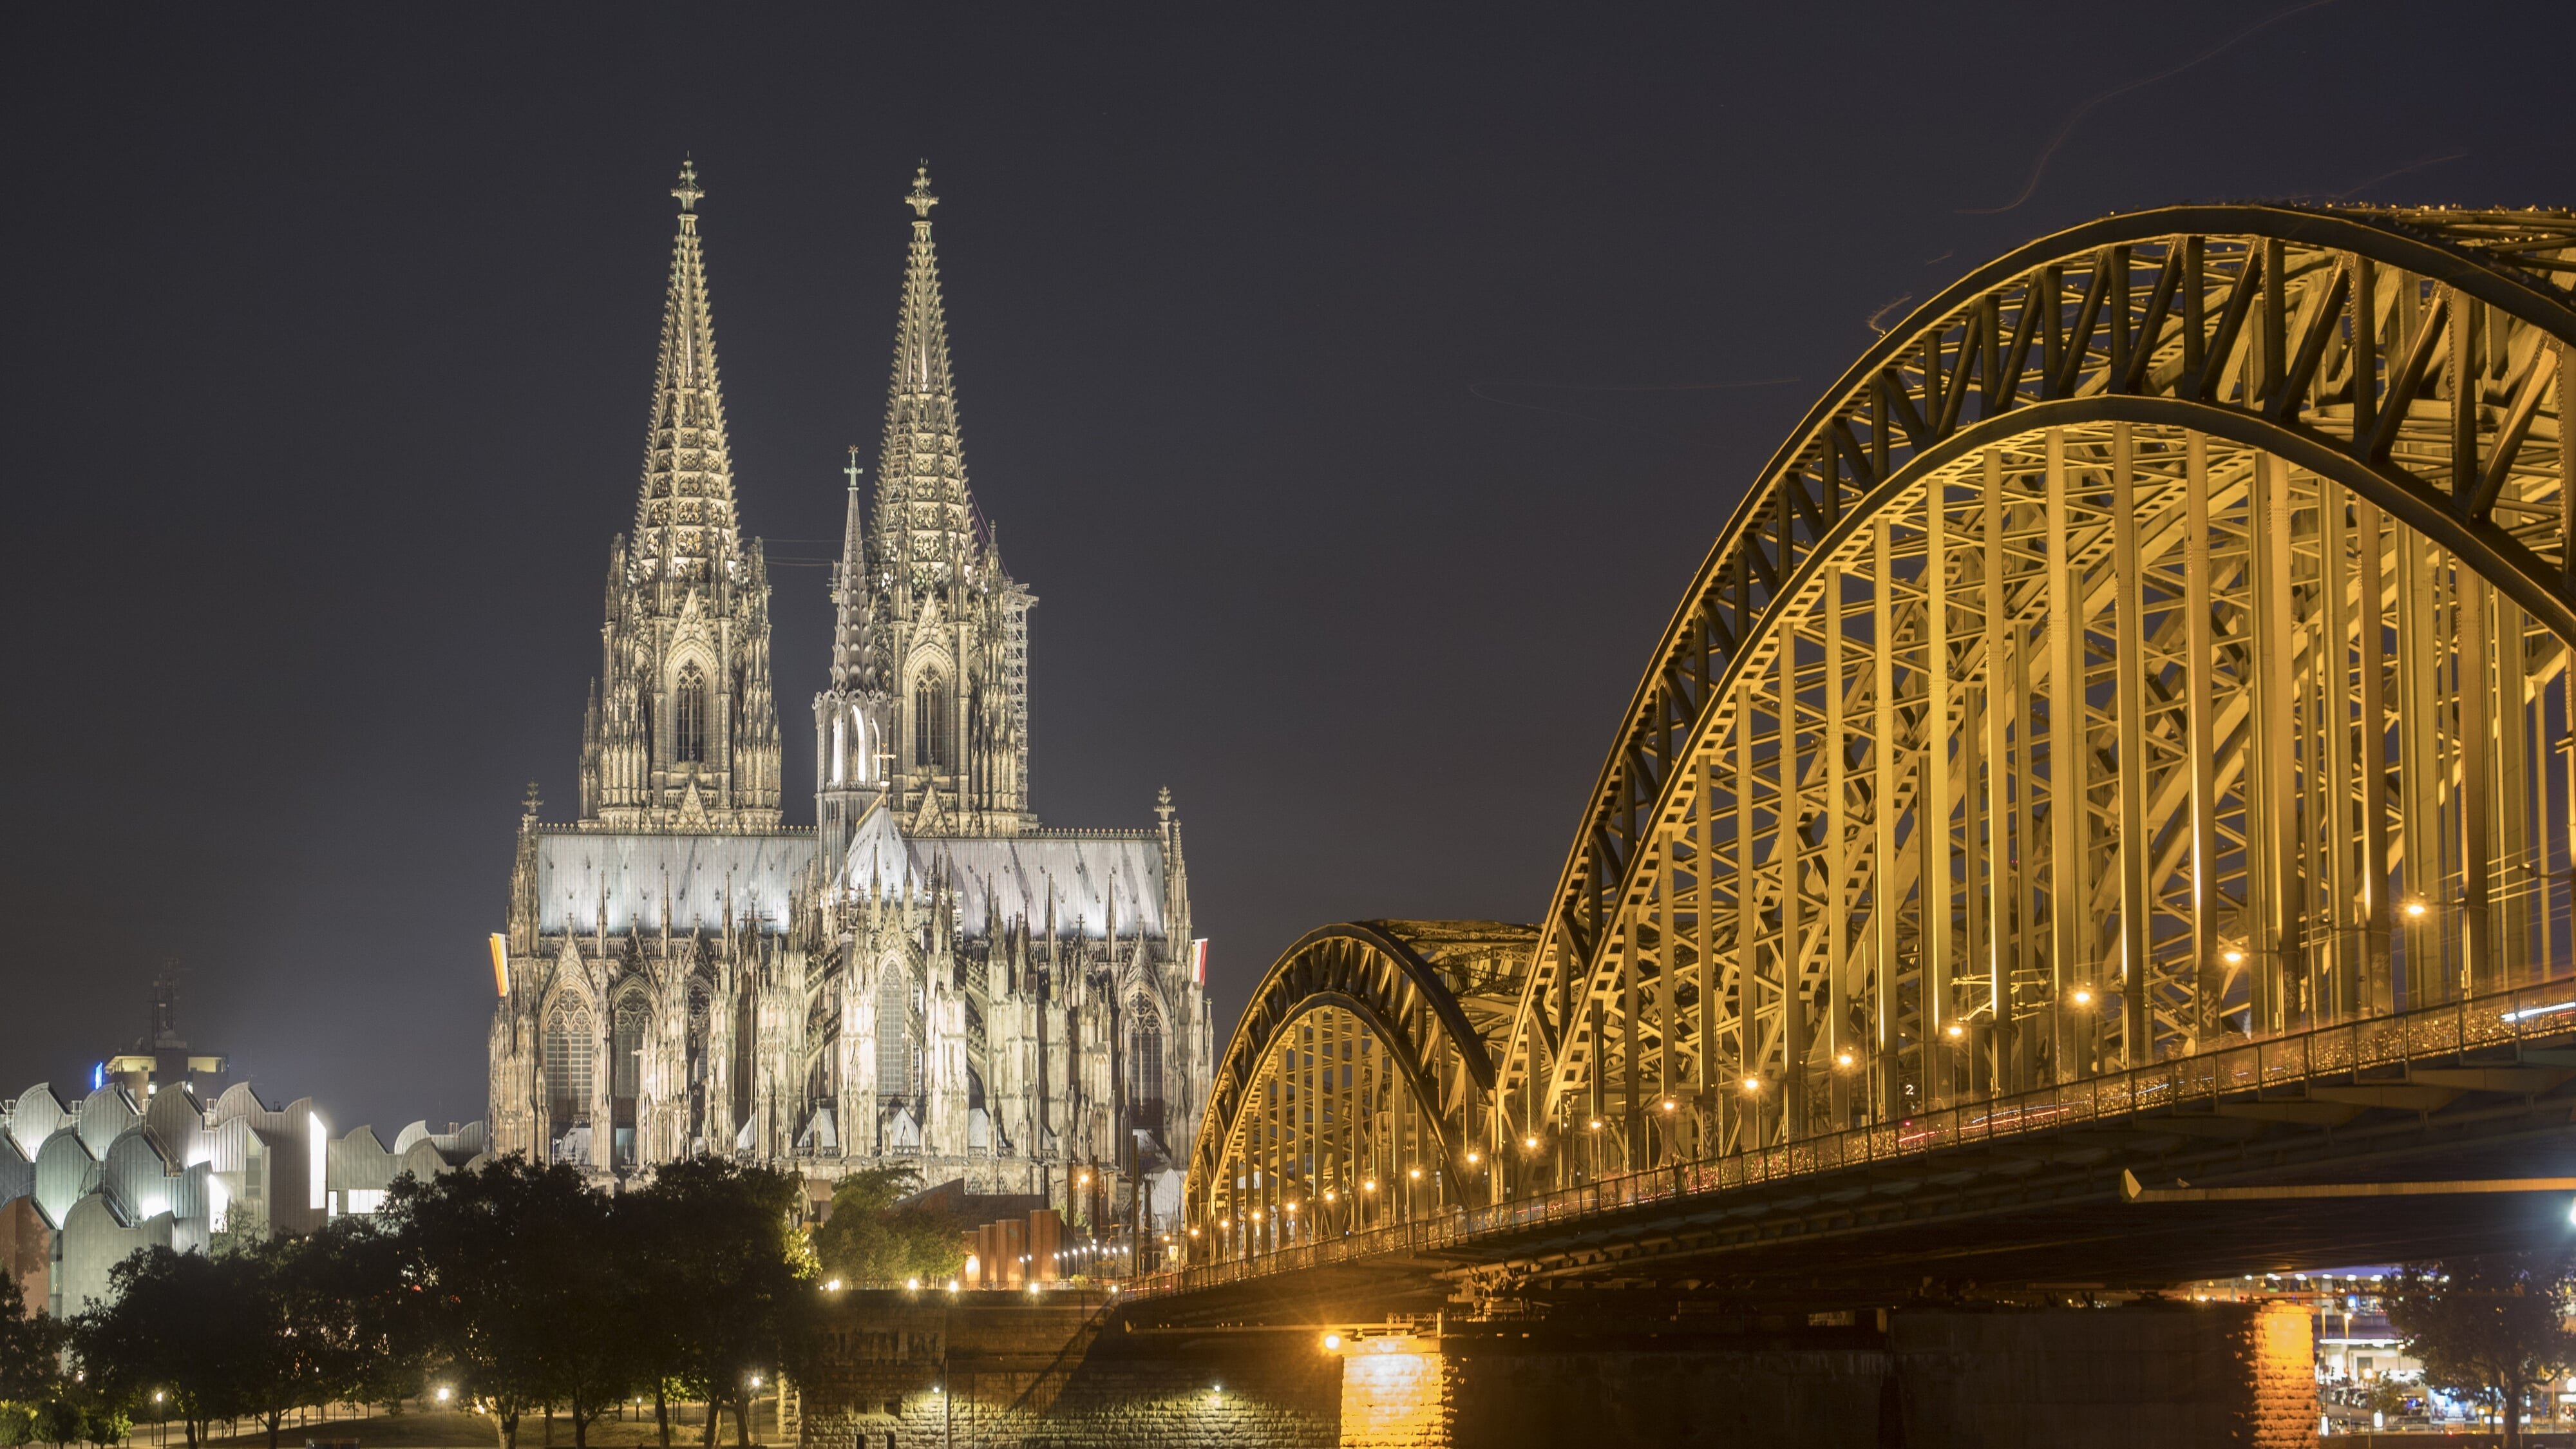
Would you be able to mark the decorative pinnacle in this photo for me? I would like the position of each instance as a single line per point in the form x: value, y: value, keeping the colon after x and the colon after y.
x: 688, y: 191
x: 921, y: 201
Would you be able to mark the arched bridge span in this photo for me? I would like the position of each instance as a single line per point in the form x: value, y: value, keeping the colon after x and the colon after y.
x: 2154, y: 647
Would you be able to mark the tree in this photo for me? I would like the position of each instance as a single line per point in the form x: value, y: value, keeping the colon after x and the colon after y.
x: 503, y: 1266
x: 724, y: 1247
x: 317, y: 1306
x: 178, y: 1323
x: 30, y: 1343
x: 2491, y: 1327
x: 865, y: 1238
x: 60, y: 1421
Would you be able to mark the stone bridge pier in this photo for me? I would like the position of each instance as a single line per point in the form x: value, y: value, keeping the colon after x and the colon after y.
x: 1000, y: 1371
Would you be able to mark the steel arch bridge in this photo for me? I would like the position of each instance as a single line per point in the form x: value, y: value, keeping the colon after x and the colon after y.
x: 2157, y: 644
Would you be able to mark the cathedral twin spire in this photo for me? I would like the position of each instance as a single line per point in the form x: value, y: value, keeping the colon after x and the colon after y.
x: 926, y: 524
x: 684, y: 517
x: 926, y: 707
x: 683, y: 730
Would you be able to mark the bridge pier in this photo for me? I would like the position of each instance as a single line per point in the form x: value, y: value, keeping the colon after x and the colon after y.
x: 996, y: 1371
x: 2140, y: 1377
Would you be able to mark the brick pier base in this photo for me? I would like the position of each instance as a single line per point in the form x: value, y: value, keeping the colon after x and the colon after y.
x: 899, y: 1372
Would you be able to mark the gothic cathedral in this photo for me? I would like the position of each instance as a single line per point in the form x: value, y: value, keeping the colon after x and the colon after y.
x: 928, y: 975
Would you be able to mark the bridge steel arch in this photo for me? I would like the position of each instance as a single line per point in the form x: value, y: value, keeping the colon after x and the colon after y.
x: 2158, y: 640
x: 1357, y: 1090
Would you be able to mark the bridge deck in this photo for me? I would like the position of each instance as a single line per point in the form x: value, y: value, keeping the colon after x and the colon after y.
x: 2026, y: 1188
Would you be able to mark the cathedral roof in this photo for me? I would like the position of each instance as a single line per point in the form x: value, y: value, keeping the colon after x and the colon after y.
x: 580, y: 873
x: 1016, y: 877
x: 1013, y: 878
x: 685, y: 510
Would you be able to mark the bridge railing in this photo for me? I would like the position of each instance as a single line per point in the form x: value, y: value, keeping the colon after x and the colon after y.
x: 2497, y: 1019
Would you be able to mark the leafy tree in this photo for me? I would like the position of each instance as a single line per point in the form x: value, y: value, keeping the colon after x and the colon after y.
x: 865, y: 1238
x: 2490, y: 1327
x: 501, y: 1265
x: 318, y: 1319
x: 598, y: 1358
x: 60, y: 1421
x: 178, y: 1323
x: 30, y: 1344
x: 106, y: 1425
x: 728, y: 1266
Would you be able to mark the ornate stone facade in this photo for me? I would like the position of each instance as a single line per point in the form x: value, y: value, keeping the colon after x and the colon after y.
x: 928, y: 974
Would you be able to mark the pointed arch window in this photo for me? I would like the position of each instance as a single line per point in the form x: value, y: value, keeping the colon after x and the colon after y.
x: 569, y: 1049
x: 626, y: 1031
x: 897, y: 1037
x: 1145, y: 1068
x: 930, y: 732
x: 689, y: 717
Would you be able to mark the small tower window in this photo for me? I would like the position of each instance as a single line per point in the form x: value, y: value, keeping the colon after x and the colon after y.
x: 689, y: 718
x: 930, y: 724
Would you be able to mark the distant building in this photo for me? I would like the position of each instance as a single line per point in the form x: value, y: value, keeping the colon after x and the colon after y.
x: 930, y: 976
x: 142, y: 1161
x: 161, y: 1055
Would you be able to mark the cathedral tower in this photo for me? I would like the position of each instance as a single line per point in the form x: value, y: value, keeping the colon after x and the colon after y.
x: 928, y: 707
x: 682, y: 732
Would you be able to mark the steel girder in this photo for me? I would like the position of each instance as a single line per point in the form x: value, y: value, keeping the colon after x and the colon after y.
x: 1356, y: 1087
x: 2185, y: 598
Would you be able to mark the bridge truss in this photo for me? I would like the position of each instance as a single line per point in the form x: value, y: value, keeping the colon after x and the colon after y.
x: 2157, y: 643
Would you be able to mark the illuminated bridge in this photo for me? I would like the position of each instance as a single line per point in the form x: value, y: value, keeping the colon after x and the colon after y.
x: 2100, y: 815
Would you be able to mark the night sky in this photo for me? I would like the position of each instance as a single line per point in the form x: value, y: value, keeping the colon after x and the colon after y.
x: 1357, y: 393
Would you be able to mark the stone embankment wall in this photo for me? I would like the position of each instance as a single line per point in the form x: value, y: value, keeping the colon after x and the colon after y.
x: 935, y: 1370
x: 998, y: 1370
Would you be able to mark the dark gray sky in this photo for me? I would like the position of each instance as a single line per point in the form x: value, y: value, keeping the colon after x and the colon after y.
x: 1357, y: 392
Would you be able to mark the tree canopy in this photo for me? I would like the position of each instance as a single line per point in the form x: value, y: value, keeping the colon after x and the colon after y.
x: 867, y: 1239
x: 512, y: 1286
x: 2492, y: 1328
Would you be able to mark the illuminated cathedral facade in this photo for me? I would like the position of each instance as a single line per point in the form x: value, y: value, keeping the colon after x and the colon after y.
x: 928, y: 975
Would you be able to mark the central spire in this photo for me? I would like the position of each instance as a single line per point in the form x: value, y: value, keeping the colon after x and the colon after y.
x: 685, y: 526
x: 925, y: 515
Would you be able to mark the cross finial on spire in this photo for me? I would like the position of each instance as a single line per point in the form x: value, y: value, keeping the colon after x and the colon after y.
x: 921, y: 201
x: 688, y: 191
x: 852, y: 472
x: 530, y: 804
